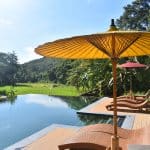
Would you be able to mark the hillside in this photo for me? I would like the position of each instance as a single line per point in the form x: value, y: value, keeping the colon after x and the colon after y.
x: 44, y: 69
x: 41, y: 65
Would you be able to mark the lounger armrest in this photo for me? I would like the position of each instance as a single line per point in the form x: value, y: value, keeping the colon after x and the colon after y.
x: 139, y: 96
x: 125, y: 96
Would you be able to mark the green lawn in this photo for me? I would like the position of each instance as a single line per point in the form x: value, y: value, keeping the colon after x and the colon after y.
x: 42, y: 88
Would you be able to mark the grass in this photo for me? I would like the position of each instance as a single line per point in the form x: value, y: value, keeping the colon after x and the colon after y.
x: 42, y: 88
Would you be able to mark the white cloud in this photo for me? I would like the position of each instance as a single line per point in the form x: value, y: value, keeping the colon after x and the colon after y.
x: 5, y: 22
x: 13, y: 4
x: 27, y: 54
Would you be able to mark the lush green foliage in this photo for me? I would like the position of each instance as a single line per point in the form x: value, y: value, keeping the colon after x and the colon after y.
x: 8, y: 68
x: 136, y: 16
x: 44, y: 70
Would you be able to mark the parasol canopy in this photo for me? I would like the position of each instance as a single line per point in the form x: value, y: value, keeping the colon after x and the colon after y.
x: 132, y: 65
x: 112, y: 44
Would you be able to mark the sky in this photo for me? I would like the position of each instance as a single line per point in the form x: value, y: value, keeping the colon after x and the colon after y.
x: 25, y: 24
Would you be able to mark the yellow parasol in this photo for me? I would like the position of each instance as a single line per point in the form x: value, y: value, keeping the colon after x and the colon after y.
x: 112, y: 44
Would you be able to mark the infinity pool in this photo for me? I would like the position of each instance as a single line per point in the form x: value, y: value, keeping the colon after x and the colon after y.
x: 30, y: 113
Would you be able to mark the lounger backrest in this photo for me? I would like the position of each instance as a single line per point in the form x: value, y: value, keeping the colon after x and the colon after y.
x: 148, y: 94
x: 81, y: 146
x: 144, y: 103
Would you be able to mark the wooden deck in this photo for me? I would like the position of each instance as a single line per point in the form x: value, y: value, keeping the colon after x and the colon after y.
x: 52, y: 139
x: 141, y: 119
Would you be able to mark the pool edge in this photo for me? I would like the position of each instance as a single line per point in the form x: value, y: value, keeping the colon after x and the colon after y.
x: 28, y: 140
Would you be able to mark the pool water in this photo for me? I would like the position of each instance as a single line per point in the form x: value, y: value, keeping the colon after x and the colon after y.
x: 27, y: 114
x: 88, y: 119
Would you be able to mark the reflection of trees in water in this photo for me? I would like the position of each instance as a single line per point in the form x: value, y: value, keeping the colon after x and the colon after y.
x: 93, y: 119
x: 3, y: 100
x: 10, y: 100
x: 78, y: 102
x: 73, y: 102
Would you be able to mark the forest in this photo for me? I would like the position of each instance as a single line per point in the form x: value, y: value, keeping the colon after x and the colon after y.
x: 86, y: 74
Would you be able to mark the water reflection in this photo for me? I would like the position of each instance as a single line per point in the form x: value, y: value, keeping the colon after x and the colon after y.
x: 49, y: 101
x: 10, y: 100
x: 78, y: 103
x: 88, y: 119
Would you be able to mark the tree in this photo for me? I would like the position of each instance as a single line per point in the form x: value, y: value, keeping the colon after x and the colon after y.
x: 136, y: 16
x: 12, y: 68
x: 8, y: 68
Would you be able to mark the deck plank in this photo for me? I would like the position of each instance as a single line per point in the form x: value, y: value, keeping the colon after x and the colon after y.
x: 52, y: 139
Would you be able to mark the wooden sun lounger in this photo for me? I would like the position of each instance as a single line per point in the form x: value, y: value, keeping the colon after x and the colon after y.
x: 136, y: 97
x: 86, y: 141
x: 97, y: 137
x: 139, y: 106
x: 132, y: 101
x: 127, y: 101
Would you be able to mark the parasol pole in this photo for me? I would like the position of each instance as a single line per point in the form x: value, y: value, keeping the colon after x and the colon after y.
x: 114, y: 59
x: 131, y: 93
x: 114, y: 138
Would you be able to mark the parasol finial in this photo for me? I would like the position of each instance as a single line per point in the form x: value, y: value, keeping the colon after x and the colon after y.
x: 112, y: 26
x: 112, y: 22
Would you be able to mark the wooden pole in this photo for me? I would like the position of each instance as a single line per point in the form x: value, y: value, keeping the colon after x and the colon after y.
x: 131, y: 93
x: 114, y: 139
